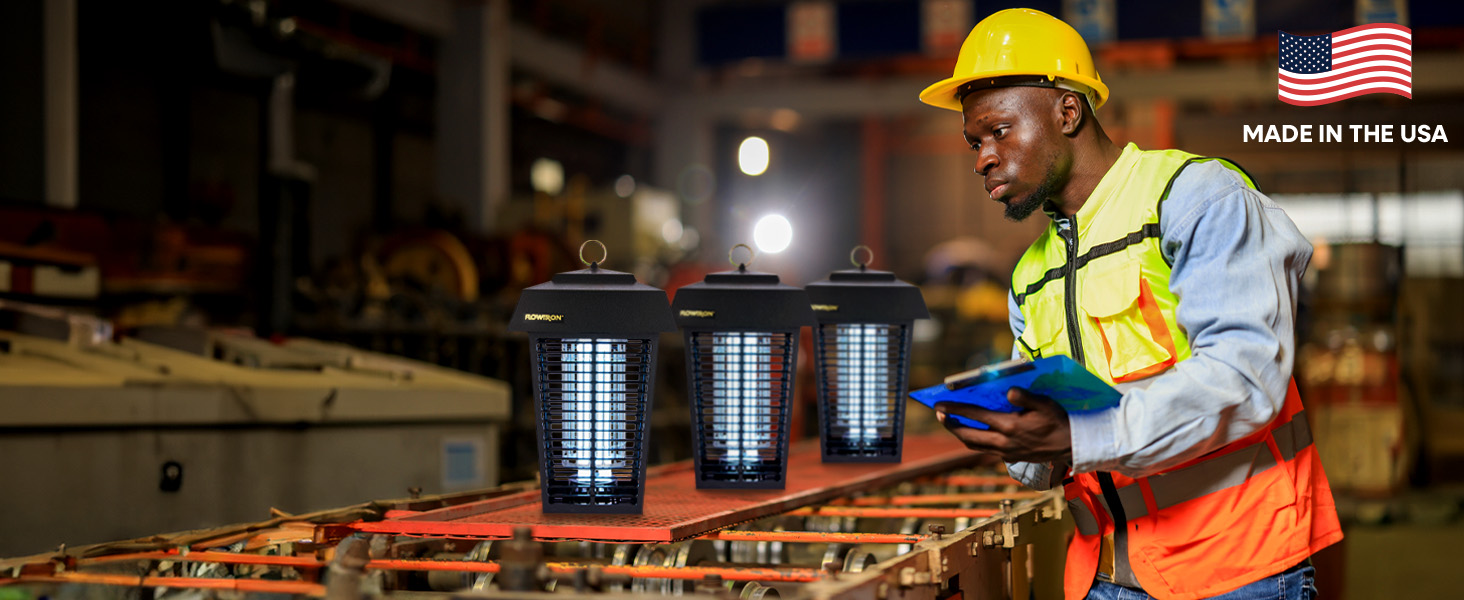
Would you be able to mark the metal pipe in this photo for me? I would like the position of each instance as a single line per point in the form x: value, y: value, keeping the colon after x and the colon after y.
x: 651, y: 572
x: 227, y: 558
x: 942, y: 498
x: 241, y: 585
x: 656, y: 572
x: 813, y: 537
x: 873, y: 512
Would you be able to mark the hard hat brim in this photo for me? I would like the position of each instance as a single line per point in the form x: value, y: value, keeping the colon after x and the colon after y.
x: 942, y: 94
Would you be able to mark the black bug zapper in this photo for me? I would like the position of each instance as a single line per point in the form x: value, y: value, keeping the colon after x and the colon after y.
x: 862, y: 347
x: 593, y: 334
x: 741, y: 330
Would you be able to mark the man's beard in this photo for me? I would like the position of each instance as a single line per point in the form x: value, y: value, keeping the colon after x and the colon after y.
x: 1019, y: 210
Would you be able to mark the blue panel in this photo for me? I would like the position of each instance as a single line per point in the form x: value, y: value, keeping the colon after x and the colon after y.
x: 731, y: 33
x: 878, y: 28
x: 1302, y: 17
x: 1149, y: 19
x: 1422, y: 14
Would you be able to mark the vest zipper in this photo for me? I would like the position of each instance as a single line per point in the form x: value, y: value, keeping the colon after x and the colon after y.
x: 1122, y: 571
x: 1070, y: 283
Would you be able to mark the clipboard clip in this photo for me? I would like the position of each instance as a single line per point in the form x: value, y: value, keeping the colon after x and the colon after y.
x: 991, y: 372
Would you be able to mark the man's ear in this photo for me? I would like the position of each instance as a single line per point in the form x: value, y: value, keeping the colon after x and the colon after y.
x: 1070, y: 112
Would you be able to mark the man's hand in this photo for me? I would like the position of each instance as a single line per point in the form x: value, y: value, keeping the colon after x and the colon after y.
x: 1036, y: 433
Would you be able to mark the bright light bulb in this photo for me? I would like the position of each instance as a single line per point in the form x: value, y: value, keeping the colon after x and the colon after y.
x: 773, y: 234
x: 624, y: 186
x: 547, y: 175
x: 671, y: 231
x: 752, y: 155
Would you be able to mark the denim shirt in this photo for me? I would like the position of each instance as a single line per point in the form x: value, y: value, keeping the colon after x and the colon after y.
x: 1237, y: 264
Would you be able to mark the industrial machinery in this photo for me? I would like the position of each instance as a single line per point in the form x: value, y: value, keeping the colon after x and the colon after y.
x: 928, y: 527
x: 188, y: 428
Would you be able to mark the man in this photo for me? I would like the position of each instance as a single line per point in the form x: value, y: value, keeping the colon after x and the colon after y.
x: 1171, y: 277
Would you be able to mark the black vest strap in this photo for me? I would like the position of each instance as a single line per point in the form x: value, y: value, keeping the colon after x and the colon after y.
x: 1147, y: 231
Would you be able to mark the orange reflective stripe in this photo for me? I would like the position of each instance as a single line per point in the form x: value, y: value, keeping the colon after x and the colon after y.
x: 1107, y: 350
x: 1158, y: 331
x: 1152, y: 494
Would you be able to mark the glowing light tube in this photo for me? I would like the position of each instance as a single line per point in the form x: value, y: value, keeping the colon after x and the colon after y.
x: 596, y: 409
x: 742, y: 408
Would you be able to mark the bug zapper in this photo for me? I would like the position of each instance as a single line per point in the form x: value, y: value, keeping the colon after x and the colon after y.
x: 593, y: 335
x: 862, y: 348
x: 741, y: 329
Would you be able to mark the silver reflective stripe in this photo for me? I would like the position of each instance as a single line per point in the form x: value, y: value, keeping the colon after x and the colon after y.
x: 1293, y: 436
x: 1132, y: 497
x: 1210, y: 476
x: 1083, y: 518
x: 1214, y: 474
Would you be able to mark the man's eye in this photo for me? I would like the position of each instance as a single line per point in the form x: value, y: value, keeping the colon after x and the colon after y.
x: 999, y: 132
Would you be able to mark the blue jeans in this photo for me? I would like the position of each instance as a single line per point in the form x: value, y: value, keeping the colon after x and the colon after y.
x: 1296, y: 583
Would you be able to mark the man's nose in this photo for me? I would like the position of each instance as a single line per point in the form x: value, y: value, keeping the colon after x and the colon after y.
x: 986, y: 161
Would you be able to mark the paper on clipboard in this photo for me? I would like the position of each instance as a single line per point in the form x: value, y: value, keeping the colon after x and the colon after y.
x: 1058, y: 377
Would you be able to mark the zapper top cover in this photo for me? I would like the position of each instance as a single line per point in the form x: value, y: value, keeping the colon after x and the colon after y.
x: 741, y: 300
x: 865, y: 296
x: 592, y: 300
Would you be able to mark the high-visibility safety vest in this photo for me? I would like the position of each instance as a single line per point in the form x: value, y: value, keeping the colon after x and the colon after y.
x: 1099, y: 292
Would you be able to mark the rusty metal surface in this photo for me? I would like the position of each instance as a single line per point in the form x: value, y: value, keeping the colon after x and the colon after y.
x: 977, y: 562
x: 675, y: 509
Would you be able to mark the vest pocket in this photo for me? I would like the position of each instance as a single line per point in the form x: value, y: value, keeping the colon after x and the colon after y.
x: 1043, y: 314
x: 1131, y: 329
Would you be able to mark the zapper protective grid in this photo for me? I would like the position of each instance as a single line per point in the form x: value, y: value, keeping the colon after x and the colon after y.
x: 743, y: 386
x: 861, y: 369
x: 592, y: 415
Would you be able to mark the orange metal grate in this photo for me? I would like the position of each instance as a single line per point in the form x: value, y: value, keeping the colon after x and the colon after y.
x: 675, y: 509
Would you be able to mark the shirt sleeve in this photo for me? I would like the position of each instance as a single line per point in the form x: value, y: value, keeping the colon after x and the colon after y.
x: 1038, y: 476
x: 1237, y: 263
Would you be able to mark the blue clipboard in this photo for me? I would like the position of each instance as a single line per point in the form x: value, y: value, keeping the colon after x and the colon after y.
x: 1058, y: 377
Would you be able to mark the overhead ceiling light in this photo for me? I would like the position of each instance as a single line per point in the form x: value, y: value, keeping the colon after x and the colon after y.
x: 547, y: 175
x: 752, y: 155
x: 624, y: 186
x: 773, y: 234
x: 671, y: 231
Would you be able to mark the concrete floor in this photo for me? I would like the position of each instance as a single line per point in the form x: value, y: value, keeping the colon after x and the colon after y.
x: 1405, y: 560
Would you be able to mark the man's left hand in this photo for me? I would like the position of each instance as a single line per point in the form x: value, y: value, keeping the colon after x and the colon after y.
x: 1038, y: 432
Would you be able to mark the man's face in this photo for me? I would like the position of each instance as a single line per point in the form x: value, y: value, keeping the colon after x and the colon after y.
x: 1015, y: 133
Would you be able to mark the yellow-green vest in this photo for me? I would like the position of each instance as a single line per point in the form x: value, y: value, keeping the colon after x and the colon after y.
x: 1108, y: 292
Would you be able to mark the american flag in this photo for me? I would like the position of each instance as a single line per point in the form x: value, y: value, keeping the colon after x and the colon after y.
x: 1321, y: 69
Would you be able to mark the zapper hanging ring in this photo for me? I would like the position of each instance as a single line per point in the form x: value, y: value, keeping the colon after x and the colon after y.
x: 854, y: 256
x: 751, y: 255
x: 604, y: 253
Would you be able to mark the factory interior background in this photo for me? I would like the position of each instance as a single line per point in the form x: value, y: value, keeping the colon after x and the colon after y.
x: 290, y: 196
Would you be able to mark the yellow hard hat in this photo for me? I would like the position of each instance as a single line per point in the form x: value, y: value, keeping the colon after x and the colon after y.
x: 1020, y: 46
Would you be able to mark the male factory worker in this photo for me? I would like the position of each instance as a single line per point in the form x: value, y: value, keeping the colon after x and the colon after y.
x: 1171, y: 277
